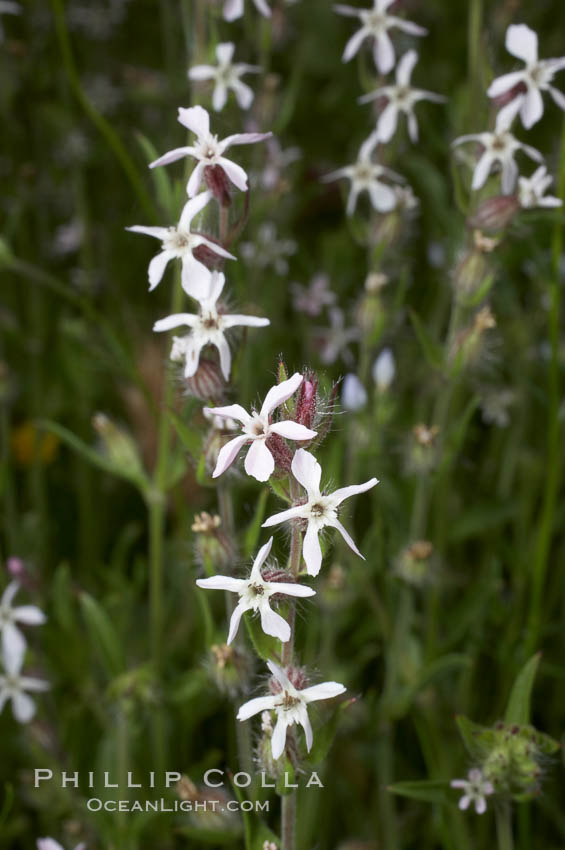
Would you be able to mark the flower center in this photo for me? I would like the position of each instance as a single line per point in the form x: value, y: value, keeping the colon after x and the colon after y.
x: 377, y: 22
x: 256, y: 427
x: 318, y: 510
x: 364, y: 172
x: 209, y: 322
x: 178, y: 240
x: 289, y: 701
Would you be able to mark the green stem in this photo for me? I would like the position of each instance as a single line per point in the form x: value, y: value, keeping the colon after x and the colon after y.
x: 504, y: 827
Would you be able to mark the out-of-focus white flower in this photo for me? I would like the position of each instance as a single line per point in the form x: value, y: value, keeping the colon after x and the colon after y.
x: 277, y: 160
x: 226, y: 75
x: 384, y: 370
x: 208, y: 150
x: 401, y: 98
x: 13, y: 685
x: 51, y: 844
x: 291, y: 706
x: 499, y: 147
x: 218, y: 422
x: 375, y: 24
x: 233, y: 9
x: 334, y: 341
x: 319, y: 510
x: 208, y: 327
x: 68, y: 237
x: 353, y: 393
x: 13, y: 641
x: 365, y: 177
x: 179, y: 243
x: 257, y: 428
x: 268, y: 250
x: 495, y: 406
x: 313, y: 298
x: 475, y: 789
x: 522, y: 42
x: 254, y: 595
x: 8, y: 8
x: 531, y: 190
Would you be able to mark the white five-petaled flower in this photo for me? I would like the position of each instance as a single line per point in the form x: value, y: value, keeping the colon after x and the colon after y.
x: 499, y: 147
x: 401, y: 97
x: 365, y: 177
x: 51, y: 844
x: 226, y: 75
x: 257, y: 428
x: 319, y: 510
x: 531, y: 190
x: 233, y: 9
x: 209, y: 150
x: 254, y: 595
x: 13, y: 686
x: 207, y: 327
x: 13, y: 641
x: 537, y: 76
x: 179, y: 243
x: 291, y: 706
x: 375, y: 24
x: 476, y: 788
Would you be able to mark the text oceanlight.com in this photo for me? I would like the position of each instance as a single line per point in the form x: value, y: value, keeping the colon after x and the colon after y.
x: 94, y: 804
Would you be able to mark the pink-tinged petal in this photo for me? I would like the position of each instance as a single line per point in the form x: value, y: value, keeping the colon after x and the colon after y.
x: 307, y: 726
x: 172, y: 156
x: 220, y: 96
x: 234, y: 585
x: 272, y: 623
x: 284, y: 516
x: 405, y: 67
x: 224, y: 52
x: 23, y: 707
x: 409, y: 27
x: 326, y: 690
x: 243, y: 139
x: 280, y: 393
x: 31, y: 615
x: 482, y: 171
x: 343, y: 493
x: 192, y: 208
x: 387, y: 123
x: 235, y: 173
x: 312, y: 551
x: 9, y: 594
x: 383, y: 53
x: 458, y: 783
x: 235, y: 619
x: 504, y: 83
x: 224, y: 352
x: 464, y: 803
x: 233, y: 9
x: 278, y: 741
x: 228, y: 454
x: 354, y: 43
x: 335, y: 523
x: 244, y: 94
x: 156, y: 232
x: 202, y: 72
x: 301, y: 590
x: 13, y: 648
x: 230, y: 411
x: 195, y: 180
x: 255, y: 706
x: 157, y: 267
x: 217, y: 249
x: 532, y: 108
x: 292, y: 430
x: 382, y: 196
x: 259, y: 462
x: 236, y: 320
x: 558, y: 97
x: 307, y: 472
x: 263, y: 8
x: 280, y: 676
x: 480, y: 805
x: 522, y: 42
x: 175, y: 321
x: 196, y: 119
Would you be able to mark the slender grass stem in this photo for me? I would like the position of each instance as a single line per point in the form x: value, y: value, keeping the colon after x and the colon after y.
x: 504, y: 827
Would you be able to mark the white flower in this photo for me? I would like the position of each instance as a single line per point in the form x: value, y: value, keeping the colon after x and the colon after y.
x: 375, y: 23
x: 277, y: 160
x: 8, y: 8
x: 226, y: 75
x: 254, y: 594
x: 257, y: 428
x: 537, y: 76
x: 499, y: 147
x: 51, y: 844
x: 179, y: 243
x: 365, y: 176
x: 209, y: 150
x: 13, y: 686
x: 334, y: 341
x: 291, y: 706
x: 475, y: 789
x: 531, y: 190
x: 353, y: 393
x: 234, y: 9
x: 13, y: 641
x: 320, y: 510
x: 208, y: 327
x: 384, y: 370
x: 268, y: 249
x: 401, y: 98
x: 312, y: 298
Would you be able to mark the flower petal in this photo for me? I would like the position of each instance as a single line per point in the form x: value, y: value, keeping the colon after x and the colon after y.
x: 307, y: 472
x: 259, y: 462
x: 233, y: 9
x: 228, y: 454
x: 280, y: 676
x: 326, y: 690
x: 292, y: 430
x: 13, y: 648
x: 307, y: 726
x: 157, y: 268
x: 522, y: 42
x: 220, y: 96
x: 235, y: 173
x: 172, y: 156
x: 195, y: 180
x: 175, y: 321
x: 288, y: 589
x: 31, y: 615
x: 482, y: 171
x: 335, y: 523
x: 222, y: 345
x: 405, y: 67
x: 338, y: 496
x: 254, y: 706
x: 23, y: 707
x: 192, y: 208
x: 230, y: 411
x: 354, y: 43
x: 278, y: 741
x: 202, y: 72
x: 283, y: 516
x: 272, y: 623
x: 260, y: 559
x: 383, y: 53
x: 234, y: 585
x: 312, y: 551
x: 504, y: 83
x: 532, y: 108
x: 224, y: 52
x: 235, y: 618
x: 280, y: 393
x: 387, y: 123
x: 196, y: 119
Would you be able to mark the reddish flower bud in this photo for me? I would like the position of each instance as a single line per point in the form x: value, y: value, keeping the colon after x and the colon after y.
x: 208, y: 383
x: 306, y: 404
x: 296, y: 676
x: 281, y: 452
x: 495, y: 213
x: 507, y: 96
x: 218, y: 183
x: 208, y: 257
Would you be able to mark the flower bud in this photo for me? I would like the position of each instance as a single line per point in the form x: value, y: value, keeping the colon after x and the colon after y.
x: 423, y: 448
x: 231, y: 669
x: 514, y: 757
x: 218, y: 183
x: 375, y: 281
x: 495, y: 213
x: 281, y: 453
x: 204, y: 254
x: 502, y: 99
x: 384, y: 370
x: 468, y: 347
x: 213, y: 548
x: 208, y: 383
x: 306, y: 403
x: 119, y: 447
x: 296, y: 676
x: 414, y: 564
x: 353, y: 393
x: 213, y: 814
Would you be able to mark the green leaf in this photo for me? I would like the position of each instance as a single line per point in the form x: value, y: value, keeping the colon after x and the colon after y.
x: 267, y: 647
x: 518, y: 708
x: 254, y: 529
x: 160, y: 177
x: 189, y: 436
x: 433, y: 352
x: 62, y: 596
x: 8, y: 802
x: 477, y: 739
x: 103, y: 634
x: 426, y: 790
